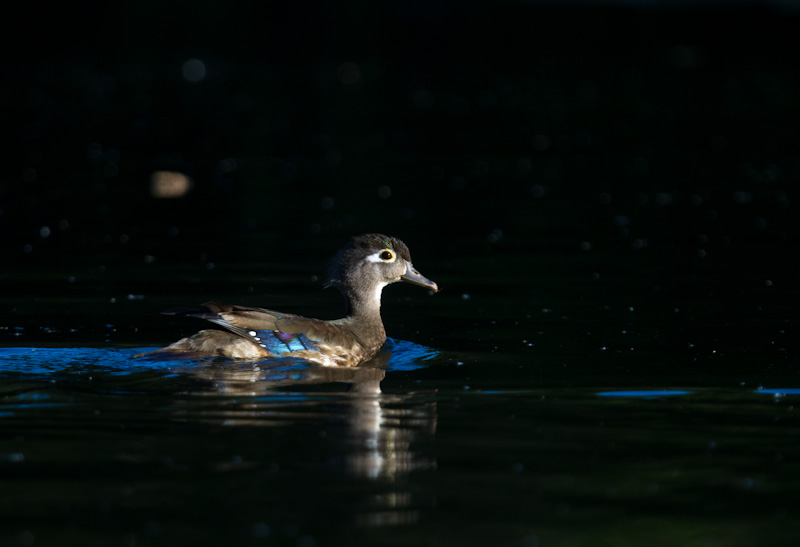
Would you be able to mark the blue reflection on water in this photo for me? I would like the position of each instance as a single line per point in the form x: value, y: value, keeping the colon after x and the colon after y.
x: 780, y: 391
x: 647, y: 394
x: 407, y: 355
x: 402, y: 356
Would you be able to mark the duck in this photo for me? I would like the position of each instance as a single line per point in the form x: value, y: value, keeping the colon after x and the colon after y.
x: 360, y: 271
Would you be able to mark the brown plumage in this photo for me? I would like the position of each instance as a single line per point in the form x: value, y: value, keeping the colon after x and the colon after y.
x: 360, y: 271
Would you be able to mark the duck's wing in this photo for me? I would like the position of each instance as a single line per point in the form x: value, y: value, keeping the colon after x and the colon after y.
x: 276, y: 332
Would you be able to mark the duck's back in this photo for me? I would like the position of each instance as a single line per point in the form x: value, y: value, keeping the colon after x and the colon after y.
x: 257, y: 333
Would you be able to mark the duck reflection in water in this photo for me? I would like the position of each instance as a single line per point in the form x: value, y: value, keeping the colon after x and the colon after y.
x: 364, y: 432
x: 380, y: 427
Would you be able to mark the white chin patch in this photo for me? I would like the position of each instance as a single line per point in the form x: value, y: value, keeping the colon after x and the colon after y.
x: 378, y: 291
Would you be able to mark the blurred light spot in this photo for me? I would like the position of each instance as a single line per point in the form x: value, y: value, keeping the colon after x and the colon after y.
x: 771, y: 173
x: 322, y: 141
x: 261, y: 530
x: 663, y: 198
x: 683, y: 56
x: 227, y: 165
x: 94, y: 151
x: 327, y: 203
x: 28, y: 175
x: 486, y: 99
x: 742, y: 197
x: 540, y: 143
x: 457, y: 106
x: 44, y: 232
x: 384, y: 192
x: 458, y: 183
x: 582, y: 139
x: 26, y: 537
x: 169, y: 184
x: 696, y: 200
x: 524, y: 165
x: 193, y: 70
x: 152, y: 528
x: 333, y: 157
x: 782, y: 391
x: 480, y: 169
x: 587, y: 93
x: 308, y: 541
x: 538, y: 191
x: 348, y: 73
x: 604, y: 197
x: 585, y: 245
x: 530, y: 541
x: 495, y: 235
x: 422, y: 98
x: 243, y: 102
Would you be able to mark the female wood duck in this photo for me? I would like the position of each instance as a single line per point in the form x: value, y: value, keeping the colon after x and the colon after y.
x: 360, y: 271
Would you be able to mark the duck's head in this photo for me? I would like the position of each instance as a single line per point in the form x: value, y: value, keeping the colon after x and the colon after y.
x: 370, y: 262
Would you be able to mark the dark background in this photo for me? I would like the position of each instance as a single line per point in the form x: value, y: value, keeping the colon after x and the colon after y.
x: 630, y: 127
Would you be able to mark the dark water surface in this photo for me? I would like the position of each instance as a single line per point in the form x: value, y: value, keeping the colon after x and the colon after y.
x: 569, y: 402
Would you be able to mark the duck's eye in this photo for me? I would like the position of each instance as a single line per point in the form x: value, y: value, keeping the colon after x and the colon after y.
x: 382, y: 256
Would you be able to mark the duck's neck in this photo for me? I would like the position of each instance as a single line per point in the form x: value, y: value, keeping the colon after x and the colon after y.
x: 363, y: 313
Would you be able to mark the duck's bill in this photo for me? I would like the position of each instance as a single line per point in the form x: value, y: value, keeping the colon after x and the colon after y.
x: 413, y: 276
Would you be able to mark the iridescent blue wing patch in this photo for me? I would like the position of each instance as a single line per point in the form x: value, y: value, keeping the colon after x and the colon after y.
x: 278, y: 342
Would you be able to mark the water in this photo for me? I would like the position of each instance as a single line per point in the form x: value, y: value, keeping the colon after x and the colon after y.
x: 580, y: 405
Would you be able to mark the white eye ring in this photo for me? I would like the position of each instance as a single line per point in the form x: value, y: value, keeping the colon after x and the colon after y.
x: 385, y: 256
